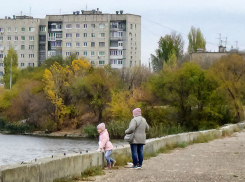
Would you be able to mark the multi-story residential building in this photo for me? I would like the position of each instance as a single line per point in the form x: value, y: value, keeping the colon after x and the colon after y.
x: 20, y: 32
x: 113, y: 39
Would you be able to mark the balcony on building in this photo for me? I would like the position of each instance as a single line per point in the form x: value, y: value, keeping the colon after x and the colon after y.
x: 118, y: 25
x: 55, y: 27
x: 51, y: 53
x: 59, y: 36
x: 116, y: 64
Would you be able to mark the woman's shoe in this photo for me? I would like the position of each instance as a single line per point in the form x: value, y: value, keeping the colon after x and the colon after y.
x: 113, y: 163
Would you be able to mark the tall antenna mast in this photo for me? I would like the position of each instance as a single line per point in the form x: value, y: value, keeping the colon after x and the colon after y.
x: 219, y: 39
x: 86, y: 7
x: 30, y: 11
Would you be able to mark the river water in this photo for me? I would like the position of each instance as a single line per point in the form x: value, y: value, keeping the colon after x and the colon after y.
x: 18, y: 148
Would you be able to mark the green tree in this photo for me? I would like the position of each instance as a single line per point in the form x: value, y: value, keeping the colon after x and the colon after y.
x: 196, y: 40
x: 187, y: 89
x: 10, y: 68
x: 95, y: 89
x: 168, y: 45
x: 229, y: 72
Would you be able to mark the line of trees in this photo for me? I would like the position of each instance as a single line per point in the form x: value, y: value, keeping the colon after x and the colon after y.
x: 71, y: 93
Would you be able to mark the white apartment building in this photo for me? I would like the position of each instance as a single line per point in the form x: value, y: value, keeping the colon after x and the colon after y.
x: 103, y: 39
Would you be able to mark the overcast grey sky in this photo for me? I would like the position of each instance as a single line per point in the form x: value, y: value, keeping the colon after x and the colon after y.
x: 211, y: 16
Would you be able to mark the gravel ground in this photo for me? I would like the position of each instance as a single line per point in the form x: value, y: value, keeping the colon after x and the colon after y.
x: 218, y: 160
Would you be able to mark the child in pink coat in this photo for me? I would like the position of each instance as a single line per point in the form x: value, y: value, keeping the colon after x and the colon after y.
x: 106, y: 145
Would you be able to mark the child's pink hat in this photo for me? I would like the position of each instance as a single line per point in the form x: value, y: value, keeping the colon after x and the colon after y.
x: 101, y: 126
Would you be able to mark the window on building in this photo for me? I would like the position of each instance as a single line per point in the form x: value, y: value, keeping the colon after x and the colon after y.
x: 113, y: 25
x: 92, y: 44
x: 120, y: 34
x: 92, y: 62
x: 31, y: 38
x: 120, y: 62
x: 77, y: 44
x: 92, y: 34
x: 135, y: 35
x: 131, y: 26
x: 85, y: 35
x: 15, y: 29
x: 9, y: 38
x: 1, y: 47
x: 22, y: 55
x: 93, y: 25
x: 85, y: 53
x: 1, y: 64
x: 22, y: 64
x: 16, y: 38
x: 23, y: 37
x: 114, y: 52
x: 1, y: 29
x: 101, y: 62
x: 102, y: 44
x: 31, y: 55
x: 113, y: 61
x: 68, y: 35
x: 102, y: 53
x: 22, y: 47
x: 58, y: 44
x: 15, y: 47
x: 120, y: 44
x: 92, y: 53
x: 31, y: 64
x: 42, y: 28
x: 77, y: 34
x: 68, y: 26
x: 31, y: 47
x: 85, y: 44
x: 1, y: 73
x: 102, y: 34
x: 23, y: 29
x: 77, y: 25
x: 85, y: 26
x: 1, y: 55
x: 102, y: 25
x: 120, y: 53
x: 7, y: 46
x: 9, y: 29
x: 77, y: 53
x: 31, y: 29
x: 68, y: 44
x: 68, y: 53
x: 1, y: 38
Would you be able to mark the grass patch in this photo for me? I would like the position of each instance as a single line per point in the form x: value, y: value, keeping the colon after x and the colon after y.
x: 236, y: 129
x: 122, y: 159
x: 93, y: 171
x: 226, y: 133
x: 149, y: 155
x: 182, y: 145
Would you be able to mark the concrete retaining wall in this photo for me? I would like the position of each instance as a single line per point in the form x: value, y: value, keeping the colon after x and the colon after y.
x: 49, y: 169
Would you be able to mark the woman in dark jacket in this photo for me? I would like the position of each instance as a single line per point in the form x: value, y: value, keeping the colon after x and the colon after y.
x: 138, y: 125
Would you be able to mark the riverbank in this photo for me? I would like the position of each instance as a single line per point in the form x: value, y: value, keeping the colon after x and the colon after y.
x: 58, y: 134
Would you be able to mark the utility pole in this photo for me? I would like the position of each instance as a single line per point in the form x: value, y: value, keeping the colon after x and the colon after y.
x: 10, y: 80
